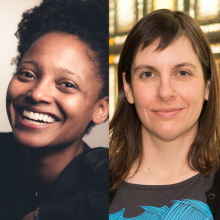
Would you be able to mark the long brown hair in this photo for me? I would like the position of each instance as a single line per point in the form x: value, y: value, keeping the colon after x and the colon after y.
x: 125, y: 127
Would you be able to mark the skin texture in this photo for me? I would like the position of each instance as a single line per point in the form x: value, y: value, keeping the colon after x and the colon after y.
x: 57, y: 76
x: 30, y: 216
x: 168, y: 91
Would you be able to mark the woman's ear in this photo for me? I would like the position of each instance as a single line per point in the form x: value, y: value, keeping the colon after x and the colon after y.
x: 127, y: 89
x: 101, y: 110
x: 207, y: 90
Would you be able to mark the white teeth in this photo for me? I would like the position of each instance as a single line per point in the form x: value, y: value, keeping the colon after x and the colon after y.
x: 34, y: 122
x: 31, y: 115
x: 40, y: 117
x: 45, y: 118
x: 37, y: 116
x: 49, y: 119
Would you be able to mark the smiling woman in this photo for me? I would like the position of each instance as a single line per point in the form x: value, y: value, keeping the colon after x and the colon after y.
x: 164, y: 160
x: 63, y: 91
x: 57, y: 94
x: 172, y: 74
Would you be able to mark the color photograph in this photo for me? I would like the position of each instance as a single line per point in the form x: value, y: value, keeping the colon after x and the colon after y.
x: 164, y: 66
x: 54, y: 110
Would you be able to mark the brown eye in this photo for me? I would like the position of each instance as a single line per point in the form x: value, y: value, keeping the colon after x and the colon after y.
x: 24, y: 76
x: 147, y: 74
x: 67, y: 86
x: 183, y: 73
x: 27, y: 74
x: 70, y: 85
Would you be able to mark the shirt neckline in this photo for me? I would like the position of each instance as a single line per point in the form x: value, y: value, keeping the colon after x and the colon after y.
x: 163, y: 187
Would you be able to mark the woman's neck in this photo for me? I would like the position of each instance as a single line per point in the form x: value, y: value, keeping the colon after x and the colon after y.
x: 164, y: 162
x: 44, y: 166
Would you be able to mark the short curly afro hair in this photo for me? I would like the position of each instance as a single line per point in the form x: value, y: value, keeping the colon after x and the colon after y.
x: 86, y: 19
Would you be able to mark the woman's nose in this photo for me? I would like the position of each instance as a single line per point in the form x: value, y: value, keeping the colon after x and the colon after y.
x: 166, y: 91
x: 40, y: 92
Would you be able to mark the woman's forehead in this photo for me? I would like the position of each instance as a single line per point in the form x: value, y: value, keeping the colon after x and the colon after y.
x: 179, y: 51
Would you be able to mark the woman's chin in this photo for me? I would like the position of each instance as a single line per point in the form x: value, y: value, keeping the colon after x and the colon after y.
x: 166, y: 134
x: 31, y: 141
x: 170, y: 130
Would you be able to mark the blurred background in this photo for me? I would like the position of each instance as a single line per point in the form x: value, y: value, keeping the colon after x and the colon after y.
x: 123, y: 15
x: 10, y: 15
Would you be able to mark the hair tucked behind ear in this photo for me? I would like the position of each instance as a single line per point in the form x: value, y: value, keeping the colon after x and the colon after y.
x: 125, y: 127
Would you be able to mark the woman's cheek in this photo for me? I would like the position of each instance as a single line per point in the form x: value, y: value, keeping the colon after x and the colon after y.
x: 15, y: 90
x: 9, y: 101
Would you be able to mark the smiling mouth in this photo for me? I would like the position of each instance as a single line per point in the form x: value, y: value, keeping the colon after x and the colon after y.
x: 167, y: 112
x: 37, y: 118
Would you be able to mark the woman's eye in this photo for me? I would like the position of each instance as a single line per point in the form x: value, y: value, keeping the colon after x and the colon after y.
x: 183, y: 73
x: 68, y: 84
x: 68, y: 87
x: 25, y: 76
x: 147, y: 74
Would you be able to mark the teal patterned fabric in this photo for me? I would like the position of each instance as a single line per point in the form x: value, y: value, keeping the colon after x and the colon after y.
x: 181, y: 210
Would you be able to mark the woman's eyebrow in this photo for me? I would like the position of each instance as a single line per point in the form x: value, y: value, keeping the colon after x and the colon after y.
x: 184, y: 64
x: 29, y: 62
x: 152, y: 68
x: 67, y: 71
x: 61, y: 70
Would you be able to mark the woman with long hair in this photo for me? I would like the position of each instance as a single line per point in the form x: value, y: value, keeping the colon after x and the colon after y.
x: 165, y: 130
x: 57, y: 94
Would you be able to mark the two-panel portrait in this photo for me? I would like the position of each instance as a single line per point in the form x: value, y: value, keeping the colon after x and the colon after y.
x: 110, y: 109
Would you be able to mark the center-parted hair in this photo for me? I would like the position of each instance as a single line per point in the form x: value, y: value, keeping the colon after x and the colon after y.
x: 86, y: 19
x: 125, y: 126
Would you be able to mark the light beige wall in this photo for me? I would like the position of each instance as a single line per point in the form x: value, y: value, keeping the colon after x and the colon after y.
x: 10, y: 15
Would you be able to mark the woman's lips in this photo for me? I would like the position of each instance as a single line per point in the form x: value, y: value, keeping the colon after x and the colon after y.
x: 37, y: 117
x: 167, y: 113
x: 31, y: 122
